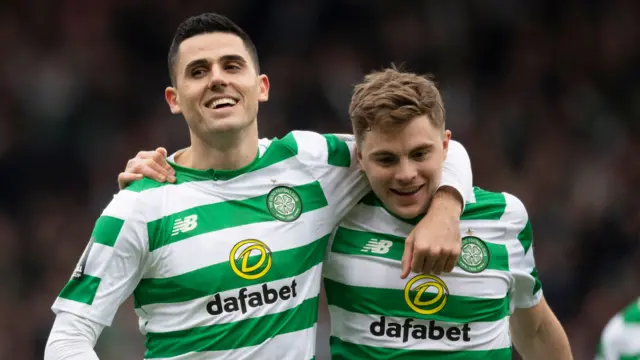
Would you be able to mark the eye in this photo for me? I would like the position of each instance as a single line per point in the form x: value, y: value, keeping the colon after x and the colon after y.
x: 385, y: 160
x: 420, y: 155
x: 232, y: 66
x: 198, y: 72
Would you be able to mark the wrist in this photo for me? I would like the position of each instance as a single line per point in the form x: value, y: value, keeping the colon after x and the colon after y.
x: 449, y: 199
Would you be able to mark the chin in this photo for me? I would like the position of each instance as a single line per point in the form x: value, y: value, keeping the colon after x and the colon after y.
x: 230, y: 124
x: 408, y: 212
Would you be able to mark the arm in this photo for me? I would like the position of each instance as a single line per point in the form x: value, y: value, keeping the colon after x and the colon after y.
x: 107, y: 273
x: 434, y: 245
x: 537, y: 333
x: 72, y: 338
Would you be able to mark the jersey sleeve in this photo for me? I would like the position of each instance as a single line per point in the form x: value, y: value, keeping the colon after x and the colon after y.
x: 110, y: 266
x: 332, y: 160
x: 456, y: 171
x: 526, y: 289
x: 611, y: 340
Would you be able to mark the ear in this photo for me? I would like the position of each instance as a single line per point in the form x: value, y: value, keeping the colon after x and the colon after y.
x: 171, y: 96
x: 445, y: 142
x: 359, y: 157
x: 263, y: 88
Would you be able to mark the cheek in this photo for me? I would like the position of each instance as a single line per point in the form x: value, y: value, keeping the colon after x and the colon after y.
x: 378, y: 178
x: 432, y: 171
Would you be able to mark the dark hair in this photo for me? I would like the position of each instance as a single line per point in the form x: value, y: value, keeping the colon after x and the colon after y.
x: 390, y: 98
x: 203, y: 24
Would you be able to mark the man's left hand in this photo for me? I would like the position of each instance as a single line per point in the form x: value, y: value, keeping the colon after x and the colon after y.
x: 434, y: 245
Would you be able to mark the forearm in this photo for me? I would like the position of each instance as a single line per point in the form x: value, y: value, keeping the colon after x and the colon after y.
x: 457, y: 177
x: 449, y: 200
x: 548, y: 342
x: 72, y: 338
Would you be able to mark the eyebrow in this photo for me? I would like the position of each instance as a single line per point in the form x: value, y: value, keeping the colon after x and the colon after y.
x: 379, y: 153
x: 224, y: 58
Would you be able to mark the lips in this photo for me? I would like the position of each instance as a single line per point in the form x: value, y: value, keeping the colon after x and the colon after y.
x: 221, y: 102
x: 407, y: 191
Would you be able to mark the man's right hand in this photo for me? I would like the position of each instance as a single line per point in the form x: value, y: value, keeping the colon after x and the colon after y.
x: 152, y: 164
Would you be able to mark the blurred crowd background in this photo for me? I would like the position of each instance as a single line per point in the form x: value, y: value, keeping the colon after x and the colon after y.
x: 545, y: 95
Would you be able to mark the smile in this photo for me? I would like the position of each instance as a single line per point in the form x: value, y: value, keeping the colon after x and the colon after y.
x: 406, y: 192
x: 220, y: 103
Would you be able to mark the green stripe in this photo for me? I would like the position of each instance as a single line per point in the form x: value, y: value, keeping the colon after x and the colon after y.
x: 630, y: 357
x: 243, y: 333
x: 488, y: 206
x: 390, y: 302
x: 220, y: 277
x: 538, y: 284
x: 351, y: 242
x: 338, y: 151
x: 228, y: 214
x: 81, y: 290
x: 106, y: 230
x: 279, y: 150
x: 342, y: 350
x: 631, y: 314
x: 526, y: 236
x: 147, y: 184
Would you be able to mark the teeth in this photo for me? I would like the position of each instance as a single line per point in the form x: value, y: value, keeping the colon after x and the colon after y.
x: 222, y: 101
x: 406, y: 191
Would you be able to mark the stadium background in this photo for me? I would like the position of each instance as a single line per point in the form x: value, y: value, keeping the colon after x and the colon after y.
x: 544, y: 95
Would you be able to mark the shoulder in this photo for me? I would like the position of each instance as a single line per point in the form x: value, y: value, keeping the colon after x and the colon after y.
x: 144, y: 184
x: 318, y: 149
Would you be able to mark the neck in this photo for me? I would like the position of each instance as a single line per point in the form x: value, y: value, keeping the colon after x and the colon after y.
x: 221, y: 151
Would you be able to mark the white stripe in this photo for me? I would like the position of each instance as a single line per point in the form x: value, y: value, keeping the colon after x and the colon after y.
x: 171, y: 199
x: 299, y: 345
x: 376, y: 272
x: 515, y: 220
x: 215, y: 247
x: 375, y: 219
x: 191, y: 314
x: 356, y: 328
x: 98, y: 260
x: 121, y: 205
x: 620, y: 338
x: 312, y: 147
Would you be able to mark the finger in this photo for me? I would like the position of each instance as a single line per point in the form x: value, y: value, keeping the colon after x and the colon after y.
x: 407, y: 257
x: 438, y: 266
x: 429, y: 262
x: 162, y: 151
x: 150, y: 169
x: 451, y: 263
x: 125, y: 179
x: 146, y: 154
x: 160, y: 156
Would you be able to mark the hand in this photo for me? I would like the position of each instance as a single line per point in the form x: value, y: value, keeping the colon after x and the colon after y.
x: 152, y: 164
x: 434, y: 245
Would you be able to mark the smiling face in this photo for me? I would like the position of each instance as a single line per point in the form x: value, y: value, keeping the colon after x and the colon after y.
x: 217, y: 88
x: 398, y: 121
x: 404, y: 165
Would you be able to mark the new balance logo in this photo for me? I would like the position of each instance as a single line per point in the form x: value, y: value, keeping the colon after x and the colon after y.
x: 183, y: 225
x: 377, y: 246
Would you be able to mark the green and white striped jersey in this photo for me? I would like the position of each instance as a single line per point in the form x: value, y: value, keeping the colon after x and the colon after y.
x: 222, y: 264
x: 621, y: 337
x: 459, y: 315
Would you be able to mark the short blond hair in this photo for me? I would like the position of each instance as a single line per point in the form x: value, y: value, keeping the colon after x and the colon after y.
x: 390, y: 98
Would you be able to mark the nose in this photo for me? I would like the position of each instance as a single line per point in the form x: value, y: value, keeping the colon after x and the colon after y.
x: 405, y: 172
x: 216, y: 77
